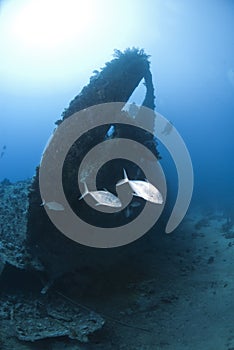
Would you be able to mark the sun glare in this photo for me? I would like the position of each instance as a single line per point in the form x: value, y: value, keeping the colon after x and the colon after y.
x: 49, y: 42
x: 49, y: 24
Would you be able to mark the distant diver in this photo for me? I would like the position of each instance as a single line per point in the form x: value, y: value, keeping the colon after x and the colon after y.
x: 133, y: 110
x: 3, y: 151
x: 168, y: 129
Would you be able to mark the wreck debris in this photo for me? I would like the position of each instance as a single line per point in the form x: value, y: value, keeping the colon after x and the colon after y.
x: 34, y: 318
x: 113, y: 83
x: 29, y: 241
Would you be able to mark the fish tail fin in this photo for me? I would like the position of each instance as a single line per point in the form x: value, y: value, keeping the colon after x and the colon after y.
x: 125, y: 179
x: 86, y: 191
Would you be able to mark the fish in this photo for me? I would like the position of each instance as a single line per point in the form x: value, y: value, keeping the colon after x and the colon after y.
x: 143, y: 189
x: 3, y: 151
x: 103, y: 197
x: 53, y: 205
x: 110, y: 132
x: 130, y: 209
x: 167, y: 129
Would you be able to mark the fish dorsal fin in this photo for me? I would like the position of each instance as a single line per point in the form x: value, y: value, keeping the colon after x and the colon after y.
x: 125, y: 175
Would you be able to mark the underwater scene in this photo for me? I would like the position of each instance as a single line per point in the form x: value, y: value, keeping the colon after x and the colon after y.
x: 116, y: 175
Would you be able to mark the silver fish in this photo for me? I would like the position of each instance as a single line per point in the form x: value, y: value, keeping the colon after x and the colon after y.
x: 103, y: 197
x: 143, y: 189
x: 53, y: 205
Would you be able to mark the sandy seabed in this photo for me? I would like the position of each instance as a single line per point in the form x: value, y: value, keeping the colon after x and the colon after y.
x: 179, y: 296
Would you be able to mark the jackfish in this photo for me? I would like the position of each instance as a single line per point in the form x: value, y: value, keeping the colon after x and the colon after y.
x: 103, y: 197
x: 143, y: 189
x: 53, y: 205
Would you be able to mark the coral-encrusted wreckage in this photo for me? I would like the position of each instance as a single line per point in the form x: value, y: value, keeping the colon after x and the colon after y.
x: 30, y: 242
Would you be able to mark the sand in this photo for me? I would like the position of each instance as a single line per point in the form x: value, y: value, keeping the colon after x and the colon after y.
x: 176, y: 295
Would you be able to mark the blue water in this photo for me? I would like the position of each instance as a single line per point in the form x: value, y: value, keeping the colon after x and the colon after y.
x: 192, y: 61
